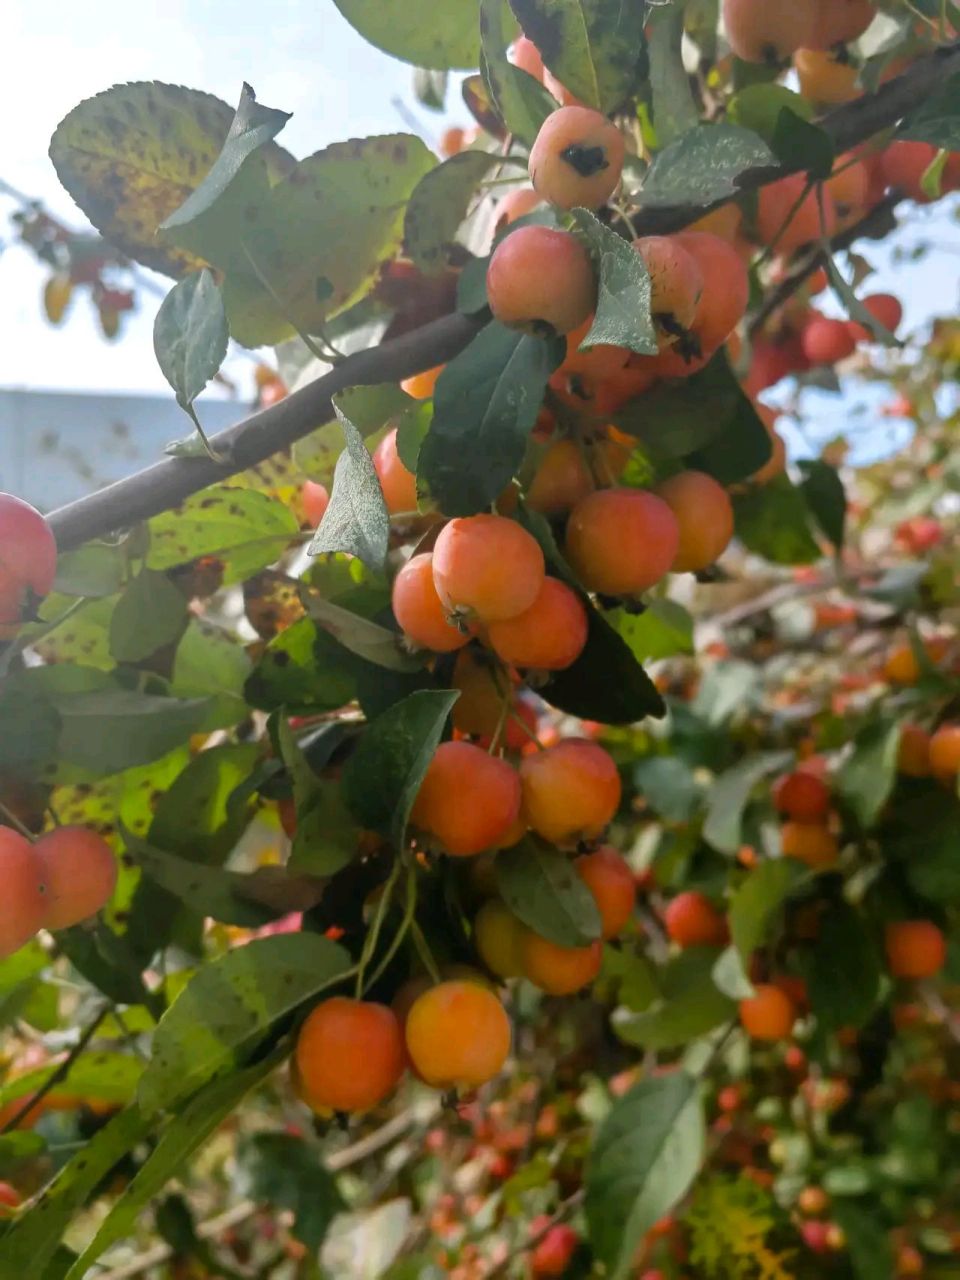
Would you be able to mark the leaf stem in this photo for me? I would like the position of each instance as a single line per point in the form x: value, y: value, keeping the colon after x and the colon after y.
x: 370, y: 942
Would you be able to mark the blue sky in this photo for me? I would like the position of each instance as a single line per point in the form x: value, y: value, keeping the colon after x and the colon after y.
x: 298, y: 55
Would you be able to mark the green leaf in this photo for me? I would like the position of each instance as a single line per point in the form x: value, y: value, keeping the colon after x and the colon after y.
x: 356, y: 521
x: 703, y: 166
x: 622, y: 316
x: 368, y: 640
x: 246, y: 899
x: 800, y: 145
x: 229, y: 1004
x: 210, y: 663
x: 758, y: 107
x: 190, y: 335
x: 754, y: 907
x: 937, y: 119
x: 644, y: 1159
x: 150, y: 614
x: 674, y: 108
x: 689, y: 1006
x: 382, y: 777
x: 729, y: 795
x: 844, y: 969
x: 418, y: 31
x: 930, y: 865
x: 31, y: 728
x: 438, y: 206
x: 252, y: 127
x: 129, y: 157
x: 855, y: 308
x: 34, y: 1237
x: 663, y: 630
x: 370, y: 408
x: 304, y: 669
x: 430, y: 88
x: 773, y: 521
x: 363, y: 1245
x: 541, y: 887
x: 825, y: 496
x: 245, y: 528
x: 866, y: 777
x: 484, y: 407
x: 285, y: 1172
x: 606, y: 682
x: 95, y: 569
x: 868, y: 1241
x: 706, y: 418
x: 669, y: 787
x: 520, y: 101
x: 99, y: 1076
x: 326, y: 836
x: 595, y: 48
x: 184, y: 1135
x: 108, y: 730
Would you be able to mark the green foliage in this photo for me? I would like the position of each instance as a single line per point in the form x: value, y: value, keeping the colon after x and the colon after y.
x: 541, y: 887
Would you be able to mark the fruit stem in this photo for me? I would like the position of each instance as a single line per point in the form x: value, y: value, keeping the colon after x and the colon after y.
x: 409, y: 908
x: 370, y: 943
x: 424, y: 952
x: 15, y: 822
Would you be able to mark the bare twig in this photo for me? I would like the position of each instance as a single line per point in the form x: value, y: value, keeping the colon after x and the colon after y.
x: 170, y: 481
x: 60, y: 1073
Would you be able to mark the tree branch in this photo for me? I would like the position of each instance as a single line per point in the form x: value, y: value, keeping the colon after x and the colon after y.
x: 168, y: 482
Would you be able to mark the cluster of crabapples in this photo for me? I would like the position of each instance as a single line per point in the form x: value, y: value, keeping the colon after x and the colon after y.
x: 68, y: 874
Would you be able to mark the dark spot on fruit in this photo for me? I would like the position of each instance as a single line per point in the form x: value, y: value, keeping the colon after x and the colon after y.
x: 585, y: 160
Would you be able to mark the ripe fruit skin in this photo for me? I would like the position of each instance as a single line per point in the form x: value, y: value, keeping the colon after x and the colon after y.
x: 840, y: 21
x: 759, y: 31
x: 541, y: 280
x: 913, y: 754
x: 885, y: 308
x: 57, y: 293
x: 458, y: 1033
x: 704, y: 515
x: 418, y: 610
x: 676, y: 287
x: 487, y: 567
x: 849, y: 188
x: 767, y: 1015
x: 824, y: 79
x: 621, y: 541
x: 498, y: 937
x: 559, y: 971
x: 548, y: 636
x: 28, y: 556
x: 398, y: 484
x: 315, y: 499
x: 468, y: 800
x: 23, y: 907
x: 483, y: 688
x: 726, y: 287
x: 10, y: 1197
x: 691, y: 920
x: 421, y: 385
x: 903, y: 164
x: 525, y: 55
x: 915, y: 949
x: 813, y: 1201
x: 610, y: 880
x: 561, y: 480
x: 778, y: 202
x: 827, y: 341
x: 349, y: 1054
x: 452, y: 141
x: 802, y: 795
x: 945, y: 751
x: 515, y: 205
x: 570, y: 791
x: 577, y: 158
x: 809, y: 842
x: 80, y: 872
x: 552, y: 1255
x: 778, y: 461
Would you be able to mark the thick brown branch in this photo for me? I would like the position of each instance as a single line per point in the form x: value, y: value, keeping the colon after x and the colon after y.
x: 171, y: 480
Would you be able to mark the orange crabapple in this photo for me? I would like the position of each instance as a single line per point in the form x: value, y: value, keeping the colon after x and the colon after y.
x: 826, y: 79
x: 548, y: 636
x: 577, y: 158
x: 468, y: 800
x: 945, y: 751
x: 421, y: 385
x: 419, y: 611
x: 621, y: 541
x: 458, y: 1035
x: 769, y: 1014
x: 515, y: 205
x: 541, y: 280
x: 788, y: 214
x: 802, y: 795
x: 913, y: 753
x: 398, y: 484
x: 676, y: 287
x: 691, y: 920
x: 704, y: 515
x: 80, y: 873
x: 487, y: 567
x: 609, y: 878
x: 759, y: 31
x: 498, y: 937
x: 840, y: 21
x: 28, y: 558
x: 827, y: 341
x: 349, y: 1055
x: 570, y: 791
x: 903, y: 165
x: 886, y: 309
x: 561, y: 479
x: 25, y: 901
x: 915, y: 948
x: 812, y: 843
x: 559, y: 971
x: 315, y: 498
